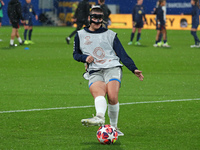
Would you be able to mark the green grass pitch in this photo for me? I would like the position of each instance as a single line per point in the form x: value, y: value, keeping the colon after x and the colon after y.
x: 46, y: 76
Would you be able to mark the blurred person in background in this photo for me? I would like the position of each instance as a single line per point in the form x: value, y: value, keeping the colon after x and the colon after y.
x: 160, y: 25
x: 80, y: 17
x: 106, y: 12
x: 28, y: 12
x: 195, y: 22
x: 160, y: 43
x: 1, y: 12
x: 138, y: 15
x: 15, y: 15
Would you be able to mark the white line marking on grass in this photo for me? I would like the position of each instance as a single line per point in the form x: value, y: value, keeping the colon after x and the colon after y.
x: 89, y: 106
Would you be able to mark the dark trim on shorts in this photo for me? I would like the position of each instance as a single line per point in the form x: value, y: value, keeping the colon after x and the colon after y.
x: 93, y: 71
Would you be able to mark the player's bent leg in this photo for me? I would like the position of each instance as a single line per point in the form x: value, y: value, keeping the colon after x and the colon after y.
x: 13, y: 34
x: 98, y: 91
x: 98, y: 88
x: 112, y: 89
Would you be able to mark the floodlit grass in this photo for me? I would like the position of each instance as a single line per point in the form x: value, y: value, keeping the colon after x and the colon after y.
x: 47, y: 76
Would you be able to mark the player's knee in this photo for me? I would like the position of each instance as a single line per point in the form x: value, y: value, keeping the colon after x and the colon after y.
x: 113, y: 98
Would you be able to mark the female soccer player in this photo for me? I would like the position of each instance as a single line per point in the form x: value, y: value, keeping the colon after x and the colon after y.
x: 195, y: 22
x: 28, y: 12
x: 102, y: 50
x: 160, y: 24
x: 137, y: 15
x: 15, y: 15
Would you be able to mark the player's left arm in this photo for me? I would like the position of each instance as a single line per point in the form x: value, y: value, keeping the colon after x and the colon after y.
x: 19, y: 12
x: 2, y: 3
x: 133, y: 14
x: 34, y: 13
x: 144, y: 16
x: 125, y: 59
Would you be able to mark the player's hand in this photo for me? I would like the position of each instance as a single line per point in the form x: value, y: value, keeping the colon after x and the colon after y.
x: 89, y: 59
x: 23, y: 21
x: 74, y: 20
x: 138, y: 73
x: 2, y: 2
x: 36, y: 17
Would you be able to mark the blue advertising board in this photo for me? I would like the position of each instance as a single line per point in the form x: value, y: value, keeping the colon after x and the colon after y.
x: 125, y: 7
x: 173, y: 6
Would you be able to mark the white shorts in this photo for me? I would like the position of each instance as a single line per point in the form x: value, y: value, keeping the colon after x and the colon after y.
x: 106, y: 75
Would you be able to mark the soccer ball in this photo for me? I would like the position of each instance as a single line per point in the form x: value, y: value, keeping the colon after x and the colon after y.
x: 107, y: 134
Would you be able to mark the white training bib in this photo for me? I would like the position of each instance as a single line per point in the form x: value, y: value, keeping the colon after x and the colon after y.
x: 100, y: 46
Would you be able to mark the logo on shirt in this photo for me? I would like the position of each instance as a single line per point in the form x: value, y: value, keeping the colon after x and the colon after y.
x: 87, y: 42
x: 100, y: 54
x: 139, y: 12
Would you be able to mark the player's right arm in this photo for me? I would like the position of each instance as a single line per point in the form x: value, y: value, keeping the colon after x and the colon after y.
x: 133, y: 14
x: 77, y: 54
x: 19, y: 11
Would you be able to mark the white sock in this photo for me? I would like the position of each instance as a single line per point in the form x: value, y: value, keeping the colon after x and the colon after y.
x: 19, y: 39
x: 11, y: 42
x: 113, y: 112
x: 100, y: 106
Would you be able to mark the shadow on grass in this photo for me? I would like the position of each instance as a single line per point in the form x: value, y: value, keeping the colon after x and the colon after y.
x: 13, y: 47
x: 138, y: 46
x: 98, y: 146
x: 141, y: 45
x: 7, y: 48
